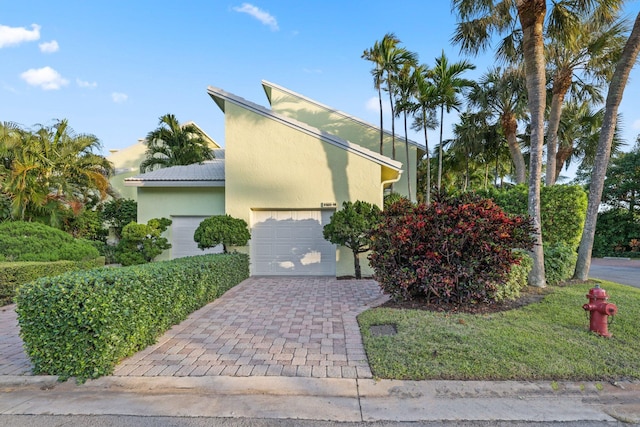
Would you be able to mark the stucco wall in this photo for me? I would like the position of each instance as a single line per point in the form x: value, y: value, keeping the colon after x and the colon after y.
x: 347, y: 128
x: 158, y: 202
x: 272, y: 166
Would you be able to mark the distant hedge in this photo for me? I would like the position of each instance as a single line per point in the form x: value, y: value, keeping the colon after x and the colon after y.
x: 563, y: 209
x: 82, y: 324
x: 15, y: 274
x: 32, y: 241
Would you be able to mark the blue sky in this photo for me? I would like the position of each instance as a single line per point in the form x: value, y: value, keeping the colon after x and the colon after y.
x: 113, y: 68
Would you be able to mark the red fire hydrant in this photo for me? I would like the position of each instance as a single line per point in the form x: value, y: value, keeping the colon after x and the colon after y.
x: 599, y: 309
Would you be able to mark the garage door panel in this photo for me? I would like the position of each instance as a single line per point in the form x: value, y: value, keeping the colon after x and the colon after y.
x: 291, y: 243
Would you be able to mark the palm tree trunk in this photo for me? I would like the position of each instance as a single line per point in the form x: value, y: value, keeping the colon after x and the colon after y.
x: 561, y: 157
x: 440, y: 149
x: 406, y: 147
x: 393, y: 126
x: 531, y: 14
x: 559, y: 91
x: 381, y: 127
x: 614, y: 97
x: 510, y: 127
x: 427, y: 197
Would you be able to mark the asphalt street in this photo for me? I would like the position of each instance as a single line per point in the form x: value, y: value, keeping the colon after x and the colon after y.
x: 622, y: 271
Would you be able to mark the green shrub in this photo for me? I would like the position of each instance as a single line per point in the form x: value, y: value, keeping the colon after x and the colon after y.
x: 455, y: 250
x: 32, y: 241
x: 119, y: 212
x: 615, y: 230
x: 516, y: 280
x: 351, y: 227
x: 141, y: 243
x: 563, y: 209
x: 82, y: 324
x: 15, y: 274
x: 222, y: 229
x: 559, y: 262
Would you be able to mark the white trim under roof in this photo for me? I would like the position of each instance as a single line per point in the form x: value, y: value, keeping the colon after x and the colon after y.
x: 347, y: 116
x: 220, y: 97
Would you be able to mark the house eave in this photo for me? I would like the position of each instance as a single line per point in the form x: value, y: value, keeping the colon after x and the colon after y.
x: 172, y: 183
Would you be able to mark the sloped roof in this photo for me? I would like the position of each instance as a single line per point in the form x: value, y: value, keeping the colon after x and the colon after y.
x: 220, y: 96
x: 207, y: 174
x: 267, y: 89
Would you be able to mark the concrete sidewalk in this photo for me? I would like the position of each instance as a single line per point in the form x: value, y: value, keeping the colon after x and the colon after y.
x: 330, y: 399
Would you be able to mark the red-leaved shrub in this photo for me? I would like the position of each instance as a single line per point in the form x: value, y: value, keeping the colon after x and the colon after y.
x: 456, y: 250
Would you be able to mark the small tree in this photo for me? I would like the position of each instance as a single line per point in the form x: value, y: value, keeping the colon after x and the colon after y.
x: 141, y: 243
x: 119, y: 212
x: 222, y: 229
x: 350, y: 227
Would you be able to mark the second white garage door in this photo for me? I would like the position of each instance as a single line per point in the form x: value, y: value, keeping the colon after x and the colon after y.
x: 291, y: 243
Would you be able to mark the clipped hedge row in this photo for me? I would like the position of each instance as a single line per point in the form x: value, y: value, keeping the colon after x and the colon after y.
x: 15, y: 274
x: 563, y: 209
x: 82, y: 324
x: 32, y: 241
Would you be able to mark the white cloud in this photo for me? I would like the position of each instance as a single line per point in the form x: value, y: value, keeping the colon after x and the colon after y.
x: 312, y: 70
x: 86, y: 84
x: 636, y: 124
x: 47, y: 78
x: 118, y: 97
x: 373, y: 104
x: 49, y: 47
x: 13, y: 36
x: 265, y: 17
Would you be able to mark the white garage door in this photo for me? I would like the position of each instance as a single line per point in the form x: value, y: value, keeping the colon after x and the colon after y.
x: 291, y: 243
x: 182, y: 243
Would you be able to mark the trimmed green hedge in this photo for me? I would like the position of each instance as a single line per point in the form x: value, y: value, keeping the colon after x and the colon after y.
x: 32, y: 241
x: 563, y: 209
x: 15, y: 274
x: 82, y: 324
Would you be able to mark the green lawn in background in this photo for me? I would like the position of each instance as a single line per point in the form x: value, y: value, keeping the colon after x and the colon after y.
x: 548, y: 340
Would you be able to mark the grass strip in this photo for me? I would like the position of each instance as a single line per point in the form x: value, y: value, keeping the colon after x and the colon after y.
x: 548, y: 340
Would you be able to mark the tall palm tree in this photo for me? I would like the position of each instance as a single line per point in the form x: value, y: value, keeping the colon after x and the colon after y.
x: 578, y: 135
x: 406, y: 82
x: 449, y: 86
x: 174, y: 144
x: 588, y: 46
x: 478, y: 22
x: 389, y: 59
x: 614, y: 97
x: 503, y: 93
x: 425, y: 118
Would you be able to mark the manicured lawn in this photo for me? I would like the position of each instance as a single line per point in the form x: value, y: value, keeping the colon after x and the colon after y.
x: 548, y: 340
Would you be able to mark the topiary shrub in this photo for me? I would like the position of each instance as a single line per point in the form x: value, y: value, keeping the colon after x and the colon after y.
x: 32, y: 241
x: 82, y: 324
x: 456, y: 250
x: 141, y: 243
x: 351, y: 227
x: 222, y: 229
x: 559, y: 262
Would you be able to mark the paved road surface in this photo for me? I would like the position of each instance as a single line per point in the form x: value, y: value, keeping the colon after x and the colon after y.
x: 618, y: 270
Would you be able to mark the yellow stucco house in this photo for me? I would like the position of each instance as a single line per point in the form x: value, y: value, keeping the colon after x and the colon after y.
x: 284, y: 170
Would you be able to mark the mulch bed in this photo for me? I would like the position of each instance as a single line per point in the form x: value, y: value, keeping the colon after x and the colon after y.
x: 529, y: 295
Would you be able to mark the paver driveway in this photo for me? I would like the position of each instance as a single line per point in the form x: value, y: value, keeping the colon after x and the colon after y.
x: 295, y: 326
